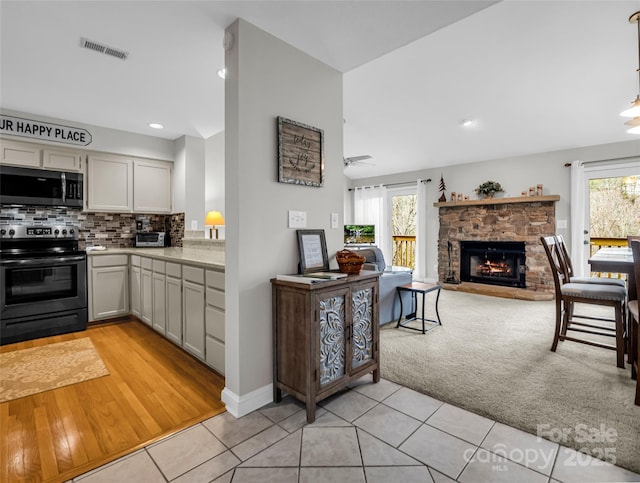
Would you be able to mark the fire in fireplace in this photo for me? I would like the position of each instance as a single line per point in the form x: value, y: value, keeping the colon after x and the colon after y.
x: 493, y: 262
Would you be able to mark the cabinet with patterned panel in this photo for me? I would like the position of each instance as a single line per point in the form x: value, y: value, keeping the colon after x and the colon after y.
x: 325, y: 335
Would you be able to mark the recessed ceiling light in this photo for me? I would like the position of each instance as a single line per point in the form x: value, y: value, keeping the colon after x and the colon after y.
x: 155, y: 125
x: 467, y: 123
x: 222, y: 73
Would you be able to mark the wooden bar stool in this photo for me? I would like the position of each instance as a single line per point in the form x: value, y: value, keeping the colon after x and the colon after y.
x: 415, y: 288
x: 569, y: 293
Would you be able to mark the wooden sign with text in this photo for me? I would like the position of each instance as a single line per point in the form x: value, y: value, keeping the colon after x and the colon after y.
x: 45, y: 131
x: 300, y: 153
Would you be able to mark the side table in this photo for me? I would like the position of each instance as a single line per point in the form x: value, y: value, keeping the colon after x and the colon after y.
x: 415, y: 288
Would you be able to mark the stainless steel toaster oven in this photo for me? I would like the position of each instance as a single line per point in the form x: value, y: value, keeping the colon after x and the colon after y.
x: 152, y: 239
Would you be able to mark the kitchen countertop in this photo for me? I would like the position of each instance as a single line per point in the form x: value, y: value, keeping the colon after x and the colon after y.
x: 209, y: 259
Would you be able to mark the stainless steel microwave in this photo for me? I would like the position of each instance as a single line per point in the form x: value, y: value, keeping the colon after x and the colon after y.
x: 40, y: 187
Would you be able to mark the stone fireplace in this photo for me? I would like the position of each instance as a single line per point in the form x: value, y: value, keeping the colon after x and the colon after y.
x: 520, y: 221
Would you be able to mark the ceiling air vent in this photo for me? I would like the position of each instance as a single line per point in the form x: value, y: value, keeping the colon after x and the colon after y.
x: 103, y: 49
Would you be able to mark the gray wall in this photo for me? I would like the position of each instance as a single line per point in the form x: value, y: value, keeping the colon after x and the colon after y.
x: 514, y: 174
x: 189, y: 180
x: 214, y: 173
x: 269, y: 78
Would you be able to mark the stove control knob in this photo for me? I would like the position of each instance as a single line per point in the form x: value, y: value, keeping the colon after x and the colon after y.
x: 64, y: 232
x: 3, y: 232
x: 12, y: 232
x: 56, y: 232
x: 72, y: 231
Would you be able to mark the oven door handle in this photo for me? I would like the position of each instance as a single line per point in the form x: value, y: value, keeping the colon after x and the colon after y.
x: 44, y: 260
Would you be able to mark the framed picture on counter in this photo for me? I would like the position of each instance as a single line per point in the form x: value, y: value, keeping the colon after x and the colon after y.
x: 312, y: 248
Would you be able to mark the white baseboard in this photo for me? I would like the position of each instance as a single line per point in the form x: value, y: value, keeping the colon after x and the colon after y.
x: 240, y: 406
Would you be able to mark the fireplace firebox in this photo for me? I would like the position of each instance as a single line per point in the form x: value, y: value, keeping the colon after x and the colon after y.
x: 493, y: 263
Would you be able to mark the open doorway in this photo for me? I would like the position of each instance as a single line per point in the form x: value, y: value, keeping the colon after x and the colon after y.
x: 403, y: 210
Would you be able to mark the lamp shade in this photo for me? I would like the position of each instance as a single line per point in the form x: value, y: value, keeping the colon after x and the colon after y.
x: 214, y: 218
x: 634, y: 110
x: 634, y: 125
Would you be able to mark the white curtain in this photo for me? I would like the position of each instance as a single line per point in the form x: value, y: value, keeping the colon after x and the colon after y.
x: 420, y: 272
x: 369, y: 204
x: 577, y: 217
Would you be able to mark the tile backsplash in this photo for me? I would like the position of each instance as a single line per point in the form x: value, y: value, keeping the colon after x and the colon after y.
x: 113, y: 230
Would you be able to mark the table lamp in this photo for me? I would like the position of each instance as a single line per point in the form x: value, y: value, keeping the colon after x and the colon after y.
x: 213, y: 219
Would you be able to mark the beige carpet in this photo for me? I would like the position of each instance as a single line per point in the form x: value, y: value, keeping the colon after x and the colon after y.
x: 37, y: 369
x: 492, y: 357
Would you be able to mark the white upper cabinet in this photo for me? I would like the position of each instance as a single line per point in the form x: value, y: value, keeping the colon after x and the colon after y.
x: 19, y: 154
x: 39, y: 156
x: 151, y: 186
x: 61, y: 160
x: 123, y: 184
x: 109, y: 183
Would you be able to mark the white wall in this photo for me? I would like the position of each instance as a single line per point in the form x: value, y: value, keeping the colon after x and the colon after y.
x: 514, y: 174
x: 214, y: 173
x: 109, y: 140
x: 189, y: 180
x: 269, y: 78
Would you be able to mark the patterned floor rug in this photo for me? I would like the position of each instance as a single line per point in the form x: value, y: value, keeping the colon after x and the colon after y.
x: 38, y: 369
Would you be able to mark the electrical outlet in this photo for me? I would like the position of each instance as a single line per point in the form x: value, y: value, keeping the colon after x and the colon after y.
x: 562, y: 224
x: 297, y: 219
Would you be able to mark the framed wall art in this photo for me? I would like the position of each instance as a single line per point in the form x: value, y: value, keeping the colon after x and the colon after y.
x: 312, y: 248
x: 300, y: 153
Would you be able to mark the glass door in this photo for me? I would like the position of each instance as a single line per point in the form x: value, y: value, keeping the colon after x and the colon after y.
x: 611, y: 207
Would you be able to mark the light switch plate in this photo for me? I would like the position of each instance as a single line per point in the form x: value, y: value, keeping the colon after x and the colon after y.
x: 297, y: 219
x: 562, y: 224
x: 334, y: 220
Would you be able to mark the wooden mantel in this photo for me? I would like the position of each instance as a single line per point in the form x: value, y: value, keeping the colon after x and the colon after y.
x: 499, y: 201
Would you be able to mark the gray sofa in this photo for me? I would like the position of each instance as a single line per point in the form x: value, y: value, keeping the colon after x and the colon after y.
x: 391, y: 278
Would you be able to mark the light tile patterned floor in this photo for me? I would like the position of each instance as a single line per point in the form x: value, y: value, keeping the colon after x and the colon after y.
x: 371, y: 433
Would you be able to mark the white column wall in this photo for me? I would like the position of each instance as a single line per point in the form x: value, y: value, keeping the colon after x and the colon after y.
x: 269, y: 78
x: 214, y: 174
x: 189, y: 180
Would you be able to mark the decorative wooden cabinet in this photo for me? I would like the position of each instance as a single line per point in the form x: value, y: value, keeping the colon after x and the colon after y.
x: 325, y: 335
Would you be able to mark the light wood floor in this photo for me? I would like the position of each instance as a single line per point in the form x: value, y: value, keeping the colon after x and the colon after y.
x: 154, y: 389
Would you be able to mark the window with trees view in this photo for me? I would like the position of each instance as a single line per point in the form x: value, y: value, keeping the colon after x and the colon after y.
x: 403, y: 221
x: 614, y: 205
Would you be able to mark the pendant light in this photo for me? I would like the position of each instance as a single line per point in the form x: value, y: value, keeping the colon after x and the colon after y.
x: 634, y: 110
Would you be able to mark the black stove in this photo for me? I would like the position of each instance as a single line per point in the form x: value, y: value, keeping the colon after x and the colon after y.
x: 44, y: 282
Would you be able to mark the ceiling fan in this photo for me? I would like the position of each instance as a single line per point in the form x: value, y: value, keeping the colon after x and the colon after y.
x: 356, y: 160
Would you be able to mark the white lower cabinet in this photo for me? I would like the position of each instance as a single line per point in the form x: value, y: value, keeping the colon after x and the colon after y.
x: 146, y: 291
x: 214, y: 320
x: 108, y: 286
x: 193, y: 294
x: 174, y: 303
x: 135, y: 285
x: 159, y: 312
x: 184, y: 303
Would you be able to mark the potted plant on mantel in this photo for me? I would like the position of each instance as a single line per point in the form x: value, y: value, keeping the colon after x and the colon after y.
x: 489, y: 188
